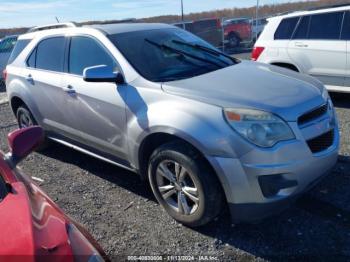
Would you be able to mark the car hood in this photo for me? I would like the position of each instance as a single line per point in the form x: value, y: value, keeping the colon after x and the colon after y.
x: 253, y: 85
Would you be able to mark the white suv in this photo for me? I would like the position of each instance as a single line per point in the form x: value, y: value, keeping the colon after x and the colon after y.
x: 311, y: 42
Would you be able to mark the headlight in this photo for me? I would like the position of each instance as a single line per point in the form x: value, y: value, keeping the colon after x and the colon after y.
x: 259, y: 127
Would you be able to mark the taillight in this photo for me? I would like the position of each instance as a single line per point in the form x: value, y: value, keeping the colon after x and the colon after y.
x: 4, y: 74
x: 257, y: 51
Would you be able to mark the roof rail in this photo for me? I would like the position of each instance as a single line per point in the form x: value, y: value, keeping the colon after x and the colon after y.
x: 52, y: 26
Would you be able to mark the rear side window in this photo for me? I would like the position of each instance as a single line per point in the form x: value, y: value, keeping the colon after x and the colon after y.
x: 86, y: 52
x: 286, y: 28
x: 50, y: 54
x: 20, y: 45
x: 346, y: 27
x: 303, y: 28
x: 326, y: 26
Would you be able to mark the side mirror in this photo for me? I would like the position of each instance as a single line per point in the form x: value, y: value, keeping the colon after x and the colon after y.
x: 102, y: 73
x: 22, y: 142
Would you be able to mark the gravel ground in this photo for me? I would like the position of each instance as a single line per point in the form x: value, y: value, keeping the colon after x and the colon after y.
x: 121, y: 213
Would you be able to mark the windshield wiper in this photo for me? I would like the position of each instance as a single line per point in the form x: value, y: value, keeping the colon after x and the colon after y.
x: 162, y: 46
x: 205, y: 49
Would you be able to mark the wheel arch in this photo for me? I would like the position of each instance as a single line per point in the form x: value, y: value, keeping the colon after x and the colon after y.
x: 156, y: 139
x: 286, y: 65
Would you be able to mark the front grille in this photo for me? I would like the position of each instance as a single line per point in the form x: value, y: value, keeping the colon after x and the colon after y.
x: 322, y: 142
x: 314, y: 114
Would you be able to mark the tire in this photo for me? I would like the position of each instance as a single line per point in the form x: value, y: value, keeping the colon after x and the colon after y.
x: 25, y: 119
x: 233, y: 41
x: 195, y: 186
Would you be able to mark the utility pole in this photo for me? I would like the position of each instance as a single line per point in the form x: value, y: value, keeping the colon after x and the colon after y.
x: 182, y: 14
x: 256, y: 19
x: 182, y: 11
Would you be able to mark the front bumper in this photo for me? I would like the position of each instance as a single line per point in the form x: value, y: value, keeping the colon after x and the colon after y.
x: 292, y: 167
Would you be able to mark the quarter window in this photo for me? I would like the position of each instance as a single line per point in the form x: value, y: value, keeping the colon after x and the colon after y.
x: 50, y: 54
x: 286, y: 28
x: 20, y: 45
x: 31, y: 59
x: 326, y: 26
x: 86, y: 52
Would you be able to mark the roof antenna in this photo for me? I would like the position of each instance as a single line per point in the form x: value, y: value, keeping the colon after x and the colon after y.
x: 58, y: 21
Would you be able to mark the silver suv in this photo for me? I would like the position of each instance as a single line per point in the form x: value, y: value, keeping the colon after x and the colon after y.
x: 203, y: 128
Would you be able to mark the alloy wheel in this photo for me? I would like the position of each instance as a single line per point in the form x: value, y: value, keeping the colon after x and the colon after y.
x: 25, y: 120
x: 177, y: 187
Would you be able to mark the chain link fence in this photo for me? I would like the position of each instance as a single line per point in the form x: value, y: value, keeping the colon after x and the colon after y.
x: 231, y: 35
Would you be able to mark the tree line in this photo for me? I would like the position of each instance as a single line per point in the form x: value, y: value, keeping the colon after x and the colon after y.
x: 264, y: 11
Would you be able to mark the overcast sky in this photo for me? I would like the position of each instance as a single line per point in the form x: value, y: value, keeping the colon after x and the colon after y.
x: 15, y: 13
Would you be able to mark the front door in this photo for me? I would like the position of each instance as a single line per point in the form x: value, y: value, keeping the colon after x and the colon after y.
x: 98, y: 110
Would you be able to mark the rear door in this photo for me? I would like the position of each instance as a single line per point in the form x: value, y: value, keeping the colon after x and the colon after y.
x: 97, y: 109
x: 43, y: 77
x: 317, y: 49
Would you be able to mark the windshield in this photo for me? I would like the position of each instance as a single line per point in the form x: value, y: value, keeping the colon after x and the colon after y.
x: 169, y: 54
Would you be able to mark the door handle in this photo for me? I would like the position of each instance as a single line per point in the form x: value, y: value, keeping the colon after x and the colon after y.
x: 300, y: 44
x: 69, y: 90
x: 30, y: 79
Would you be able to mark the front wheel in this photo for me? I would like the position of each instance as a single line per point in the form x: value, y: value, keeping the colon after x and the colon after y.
x: 184, y: 184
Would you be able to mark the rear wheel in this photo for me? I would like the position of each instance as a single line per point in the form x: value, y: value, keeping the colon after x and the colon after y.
x: 25, y: 119
x: 184, y: 184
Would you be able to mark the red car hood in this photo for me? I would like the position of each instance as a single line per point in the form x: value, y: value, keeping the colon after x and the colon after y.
x: 31, y: 224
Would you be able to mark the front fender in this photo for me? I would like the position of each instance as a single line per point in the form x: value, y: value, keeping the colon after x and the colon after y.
x: 201, y: 125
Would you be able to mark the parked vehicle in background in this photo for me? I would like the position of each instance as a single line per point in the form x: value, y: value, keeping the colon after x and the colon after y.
x: 310, y: 42
x: 32, y: 226
x: 237, y: 31
x: 209, y: 30
x: 6, y: 46
x: 203, y: 128
x: 257, y: 27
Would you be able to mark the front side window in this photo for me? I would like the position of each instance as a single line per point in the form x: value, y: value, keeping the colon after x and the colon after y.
x: 286, y: 28
x: 326, y: 26
x: 50, y: 54
x: 86, y: 52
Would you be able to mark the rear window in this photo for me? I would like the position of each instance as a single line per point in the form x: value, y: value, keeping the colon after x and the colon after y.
x: 303, y: 28
x: 286, y: 28
x: 19, y: 47
x: 50, y: 54
x: 326, y: 26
